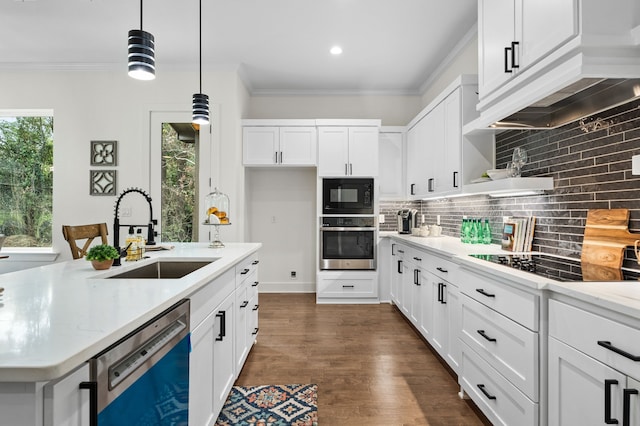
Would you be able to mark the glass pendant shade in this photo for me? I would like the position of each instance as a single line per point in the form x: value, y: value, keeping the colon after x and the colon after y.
x: 142, y: 62
x: 200, y: 108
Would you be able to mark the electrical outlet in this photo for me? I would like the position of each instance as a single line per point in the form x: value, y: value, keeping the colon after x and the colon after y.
x: 380, y: 218
x: 294, y: 275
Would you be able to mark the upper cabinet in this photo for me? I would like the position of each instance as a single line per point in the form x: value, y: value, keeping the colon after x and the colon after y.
x: 279, y: 145
x: 514, y: 34
x: 348, y: 151
x: 435, y: 152
x: 391, y: 177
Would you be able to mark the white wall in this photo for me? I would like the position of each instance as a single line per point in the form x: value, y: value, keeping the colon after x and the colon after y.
x: 392, y: 110
x: 91, y: 105
x: 281, y: 210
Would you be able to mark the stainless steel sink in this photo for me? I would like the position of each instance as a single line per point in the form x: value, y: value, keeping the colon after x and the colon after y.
x: 165, y: 269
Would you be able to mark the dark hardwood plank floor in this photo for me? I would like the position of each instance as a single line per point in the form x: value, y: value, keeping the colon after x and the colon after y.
x: 370, y: 365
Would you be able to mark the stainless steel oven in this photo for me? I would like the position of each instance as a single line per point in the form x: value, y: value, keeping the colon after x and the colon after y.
x: 348, y: 243
x: 347, y: 196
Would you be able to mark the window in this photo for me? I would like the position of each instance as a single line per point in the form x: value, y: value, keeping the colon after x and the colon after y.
x: 26, y: 178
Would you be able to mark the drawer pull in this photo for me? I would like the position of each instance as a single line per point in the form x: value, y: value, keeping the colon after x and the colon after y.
x: 255, y: 262
x: 619, y: 351
x: 483, y: 334
x: 244, y: 304
x: 607, y: 402
x: 255, y: 284
x: 442, y: 269
x: 484, y: 391
x: 255, y: 331
x: 484, y: 293
x: 400, y: 251
x: 244, y: 271
x: 417, y: 259
x: 255, y: 308
x: 348, y: 286
x: 626, y: 405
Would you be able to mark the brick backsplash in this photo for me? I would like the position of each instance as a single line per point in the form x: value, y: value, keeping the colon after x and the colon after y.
x: 590, y: 161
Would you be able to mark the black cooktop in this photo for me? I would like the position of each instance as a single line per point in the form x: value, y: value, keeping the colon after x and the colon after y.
x: 558, y: 268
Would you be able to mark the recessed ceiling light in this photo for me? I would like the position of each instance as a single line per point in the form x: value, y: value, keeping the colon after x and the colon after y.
x: 336, y: 50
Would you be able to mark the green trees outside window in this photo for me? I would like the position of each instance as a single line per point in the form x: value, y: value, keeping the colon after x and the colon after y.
x: 26, y: 180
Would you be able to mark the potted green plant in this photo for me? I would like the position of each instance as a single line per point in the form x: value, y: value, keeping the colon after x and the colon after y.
x: 101, y: 256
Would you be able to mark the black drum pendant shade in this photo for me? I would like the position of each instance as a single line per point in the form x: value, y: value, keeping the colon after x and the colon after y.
x: 141, y: 53
x: 142, y: 62
x: 200, y: 108
x: 200, y: 113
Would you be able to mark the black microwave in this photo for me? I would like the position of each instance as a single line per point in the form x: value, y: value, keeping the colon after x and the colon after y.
x: 347, y: 196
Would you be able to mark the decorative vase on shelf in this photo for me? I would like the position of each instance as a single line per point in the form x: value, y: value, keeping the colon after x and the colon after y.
x: 101, y: 265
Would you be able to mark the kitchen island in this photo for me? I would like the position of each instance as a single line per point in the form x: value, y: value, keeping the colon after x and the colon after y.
x: 55, y: 318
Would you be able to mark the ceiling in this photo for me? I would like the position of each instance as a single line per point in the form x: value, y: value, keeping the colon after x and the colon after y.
x: 277, y: 46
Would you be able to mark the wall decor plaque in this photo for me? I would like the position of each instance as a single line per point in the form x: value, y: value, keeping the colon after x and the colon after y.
x: 104, y: 153
x: 102, y: 182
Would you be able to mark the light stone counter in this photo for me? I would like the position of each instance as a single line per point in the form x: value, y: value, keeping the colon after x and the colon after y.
x: 54, y: 318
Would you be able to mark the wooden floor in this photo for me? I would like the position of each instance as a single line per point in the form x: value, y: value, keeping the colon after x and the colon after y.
x: 370, y: 365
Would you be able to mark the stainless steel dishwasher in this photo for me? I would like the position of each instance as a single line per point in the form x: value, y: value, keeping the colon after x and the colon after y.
x: 144, y: 378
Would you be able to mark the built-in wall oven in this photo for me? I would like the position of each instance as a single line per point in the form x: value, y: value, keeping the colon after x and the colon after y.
x: 343, y: 196
x: 348, y: 243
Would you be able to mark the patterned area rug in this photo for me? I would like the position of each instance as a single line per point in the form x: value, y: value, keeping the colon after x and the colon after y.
x: 271, y: 405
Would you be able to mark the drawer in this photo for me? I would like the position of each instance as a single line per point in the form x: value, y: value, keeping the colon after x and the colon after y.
x: 443, y: 268
x: 583, y: 330
x: 507, y: 346
x: 508, y: 299
x: 205, y: 300
x: 245, y: 268
x: 400, y: 251
x: 498, y: 399
x: 348, y: 287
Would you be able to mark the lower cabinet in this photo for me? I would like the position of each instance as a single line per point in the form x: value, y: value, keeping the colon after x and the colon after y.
x: 347, y: 287
x: 593, y: 377
x: 65, y: 404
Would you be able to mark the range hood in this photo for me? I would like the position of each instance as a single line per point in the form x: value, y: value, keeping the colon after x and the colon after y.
x: 581, y: 99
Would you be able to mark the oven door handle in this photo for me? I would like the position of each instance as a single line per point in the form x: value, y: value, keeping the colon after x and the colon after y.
x: 346, y: 228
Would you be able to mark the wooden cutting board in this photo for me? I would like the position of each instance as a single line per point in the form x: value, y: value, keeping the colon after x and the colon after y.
x: 606, y: 236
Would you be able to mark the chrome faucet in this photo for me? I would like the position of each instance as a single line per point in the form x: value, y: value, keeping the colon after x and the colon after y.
x: 151, y: 233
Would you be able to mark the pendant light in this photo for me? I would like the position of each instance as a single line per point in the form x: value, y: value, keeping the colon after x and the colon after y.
x: 142, y: 62
x: 200, y: 100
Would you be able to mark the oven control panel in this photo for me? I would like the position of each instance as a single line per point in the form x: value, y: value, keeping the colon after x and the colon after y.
x: 348, y: 222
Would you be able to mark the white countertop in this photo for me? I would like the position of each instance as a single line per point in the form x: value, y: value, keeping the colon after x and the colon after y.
x: 620, y: 296
x: 54, y: 318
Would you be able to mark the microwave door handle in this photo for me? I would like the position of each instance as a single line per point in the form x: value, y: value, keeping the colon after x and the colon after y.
x: 335, y: 228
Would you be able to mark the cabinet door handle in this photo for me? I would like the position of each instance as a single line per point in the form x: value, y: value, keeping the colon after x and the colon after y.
x: 626, y: 405
x: 280, y: 157
x: 350, y: 168
x: 484, y: 293
x: 244, y: 271
x: 506, y: 60
x: 442, y: 270
x: 223, y: 319
x: 411, y: 191
x: 93, y: 401
x: 255, y: 262
x: 416, y: 276
x: 439, y: 292
x: 346, y: 169
x: 443, y: 286
x: 455, y: 179
x: 255, y: 284
x: 483, y: 334
x: 255, y: 308
x: 244, y: 304
x: 430, y: 185
x: 514, y: 64
x: 484, y: 391
x: 399, y: 266
x: 607, y: 402
x: 619, y: 351
x: 275, y: 157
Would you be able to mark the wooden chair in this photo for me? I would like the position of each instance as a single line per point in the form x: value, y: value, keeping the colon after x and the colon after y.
x: 84, y: 232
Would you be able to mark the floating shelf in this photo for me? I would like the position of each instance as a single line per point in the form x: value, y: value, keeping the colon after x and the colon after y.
x: 510, y: 187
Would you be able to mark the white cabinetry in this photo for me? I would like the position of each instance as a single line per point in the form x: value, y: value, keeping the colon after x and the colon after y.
x: 65, y: 404
x: 514, y: 34
x: 246, y: 309
x: 279, y: 145
x: 348, y: 151
x: 438, y: 163
x: 347, y: 287
x: 591, y: 374
x: 501, y: 360
x: 391, y: 171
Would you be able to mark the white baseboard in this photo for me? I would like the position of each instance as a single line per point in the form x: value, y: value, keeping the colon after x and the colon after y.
x: 287, y: 287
